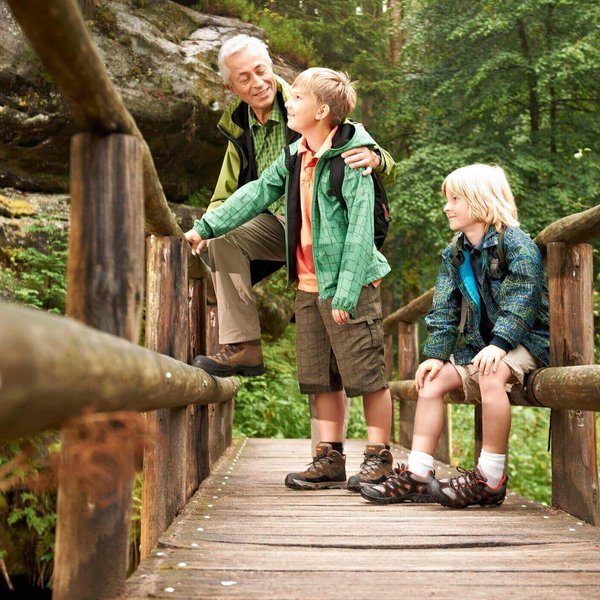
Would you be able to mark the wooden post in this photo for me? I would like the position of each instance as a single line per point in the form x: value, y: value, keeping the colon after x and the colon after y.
x: 164, y: 490
x: 214, y: 411
x: 408, y: 361
x: 197, y: 322
x: 105, y: 290
x: 574, y: 464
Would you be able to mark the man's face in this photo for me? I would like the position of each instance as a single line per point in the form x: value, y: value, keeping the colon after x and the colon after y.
x: 251, y: 79
x: 302, y: 109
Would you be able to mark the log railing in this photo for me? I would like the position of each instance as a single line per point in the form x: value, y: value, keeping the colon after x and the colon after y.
x: 570, y: 386
x: 87, y: 379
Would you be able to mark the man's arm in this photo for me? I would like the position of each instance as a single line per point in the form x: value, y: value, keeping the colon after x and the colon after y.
x: 227, y: 183
x: 372, y: 159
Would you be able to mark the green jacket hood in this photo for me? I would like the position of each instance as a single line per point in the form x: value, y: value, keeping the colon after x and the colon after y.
x: 349, y: 135
x: 229, y: 121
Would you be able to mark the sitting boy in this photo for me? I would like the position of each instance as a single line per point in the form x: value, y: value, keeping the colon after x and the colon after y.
x: 333, y: 261
x: 499, y: 308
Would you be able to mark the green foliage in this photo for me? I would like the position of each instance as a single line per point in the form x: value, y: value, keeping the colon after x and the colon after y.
x: 38, y: 278
x: 200, y: 198
x: 271, y: 405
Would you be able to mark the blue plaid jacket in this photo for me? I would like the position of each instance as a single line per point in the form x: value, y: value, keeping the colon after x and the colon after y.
x: 516, y: 303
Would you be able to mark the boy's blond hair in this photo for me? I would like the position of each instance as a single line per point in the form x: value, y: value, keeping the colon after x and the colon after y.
x: 487, y: 192
x: 329, y: 87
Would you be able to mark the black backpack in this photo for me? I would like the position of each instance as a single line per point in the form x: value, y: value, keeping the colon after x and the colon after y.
x: 381, y: 208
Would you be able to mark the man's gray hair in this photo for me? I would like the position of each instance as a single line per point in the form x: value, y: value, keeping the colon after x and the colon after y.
x: 236, y: 44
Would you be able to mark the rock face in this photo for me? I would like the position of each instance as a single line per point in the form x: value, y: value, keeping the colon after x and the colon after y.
x: 163, y: 59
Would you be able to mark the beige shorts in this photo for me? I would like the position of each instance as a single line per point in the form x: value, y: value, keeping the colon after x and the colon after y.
x: 519, y: 360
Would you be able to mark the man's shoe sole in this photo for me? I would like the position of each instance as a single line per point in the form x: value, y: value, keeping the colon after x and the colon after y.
x: 217, y: 370
x: 298, y: 484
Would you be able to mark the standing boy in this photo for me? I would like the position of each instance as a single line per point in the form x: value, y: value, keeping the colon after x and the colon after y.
x: 332, y: 259
x: 489, y: 295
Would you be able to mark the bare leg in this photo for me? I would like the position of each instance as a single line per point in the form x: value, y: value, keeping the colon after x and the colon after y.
x: 378, y: 415
x: 331, y: 409
x: 429, y: 417
x: 496, y: 415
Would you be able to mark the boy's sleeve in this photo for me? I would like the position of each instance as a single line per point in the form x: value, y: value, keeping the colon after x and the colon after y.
x: 358, y: 246
x: 521, y: 291
x: 444, y: 317
x: 387, y: 166
x: 247, y: 202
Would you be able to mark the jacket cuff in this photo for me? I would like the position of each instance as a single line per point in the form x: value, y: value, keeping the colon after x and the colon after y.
x: 203, y: 229
x: 501, y: 343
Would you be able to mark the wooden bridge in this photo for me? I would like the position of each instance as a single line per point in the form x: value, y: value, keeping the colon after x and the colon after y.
x: 242, y: 533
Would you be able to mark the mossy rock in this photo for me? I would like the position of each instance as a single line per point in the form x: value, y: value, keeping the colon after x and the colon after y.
x: 14, y: 208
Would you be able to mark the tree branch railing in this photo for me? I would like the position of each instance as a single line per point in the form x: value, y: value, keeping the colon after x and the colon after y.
x: 570, y: 386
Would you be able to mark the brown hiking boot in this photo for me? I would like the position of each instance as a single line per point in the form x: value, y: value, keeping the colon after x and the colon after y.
x: 327, y: 470
x: 244, y: 358
x: 469, y: 488
x: 401, y: 486
x: 375, y: 468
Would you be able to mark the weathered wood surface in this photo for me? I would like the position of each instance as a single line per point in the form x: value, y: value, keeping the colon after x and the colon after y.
x: 105, y: 288
x: 87, y: 369
x: 164, y: 491
x: 244, y: 535
x: 574, y: 462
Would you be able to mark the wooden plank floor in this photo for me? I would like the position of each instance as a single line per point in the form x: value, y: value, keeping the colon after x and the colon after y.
x: 245, y: 535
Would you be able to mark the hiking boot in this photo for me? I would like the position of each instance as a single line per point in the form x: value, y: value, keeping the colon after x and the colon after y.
x: 244, y: 358
x: 327, y: 470
x: 375, y: 468
x: 401, y: 486
x: 469, y: 488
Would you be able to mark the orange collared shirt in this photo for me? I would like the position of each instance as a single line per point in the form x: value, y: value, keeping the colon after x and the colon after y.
x: 307, y: 279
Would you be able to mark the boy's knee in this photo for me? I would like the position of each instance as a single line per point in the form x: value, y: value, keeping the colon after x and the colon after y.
x: 492, y: 384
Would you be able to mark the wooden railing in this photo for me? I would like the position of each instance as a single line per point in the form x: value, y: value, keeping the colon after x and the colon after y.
x: 56, y: 372
x: 570, y: 386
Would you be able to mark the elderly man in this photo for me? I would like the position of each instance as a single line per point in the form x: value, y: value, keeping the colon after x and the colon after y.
x: 256, y: 126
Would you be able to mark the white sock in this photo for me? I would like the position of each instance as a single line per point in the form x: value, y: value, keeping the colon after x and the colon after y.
x: 420, y: 463
x: 492, y: 466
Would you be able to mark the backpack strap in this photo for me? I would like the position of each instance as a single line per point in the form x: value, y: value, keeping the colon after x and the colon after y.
x: 337, y: 166
x: 457, y: 255
x: 498, y: 264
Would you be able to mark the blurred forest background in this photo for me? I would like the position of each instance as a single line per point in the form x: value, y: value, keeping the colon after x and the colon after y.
x: 442, y: 83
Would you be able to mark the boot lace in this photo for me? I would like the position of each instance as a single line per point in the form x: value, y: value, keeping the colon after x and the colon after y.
x: 227, y: 351
x: 371, y: 463
x: 467, y: 478
x: 317, y: 461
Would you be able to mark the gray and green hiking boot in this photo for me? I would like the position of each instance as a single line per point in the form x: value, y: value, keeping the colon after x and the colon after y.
x: 401, y: 486
x: 468, y: 489
x: 327, y: 470
x: 375, y: 468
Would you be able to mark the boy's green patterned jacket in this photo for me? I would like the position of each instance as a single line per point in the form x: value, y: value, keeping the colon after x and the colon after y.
x: 343, y: 249
x: 516, y: 303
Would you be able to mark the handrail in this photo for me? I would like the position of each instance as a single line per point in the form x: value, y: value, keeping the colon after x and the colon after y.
x: 578, y: 227
x: 89, y: 370
x: 54, y: 29
x: 559, y: 388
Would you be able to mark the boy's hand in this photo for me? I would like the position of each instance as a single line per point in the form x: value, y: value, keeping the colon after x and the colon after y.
x: 428, y: 371
x: 361, y: 157
x: 488, y: 359
x: 340, y: 316
x: 195, y: 241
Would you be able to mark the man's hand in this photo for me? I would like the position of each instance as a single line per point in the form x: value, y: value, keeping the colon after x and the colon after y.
x: 364, y: 157
x: 340, y: 316
x: 195, y: 241
x: 488, y: 359
x: 428, y: 371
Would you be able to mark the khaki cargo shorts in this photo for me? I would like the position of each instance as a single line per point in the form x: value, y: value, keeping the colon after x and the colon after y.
x: 333, y: 357
x: 519, y: 360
